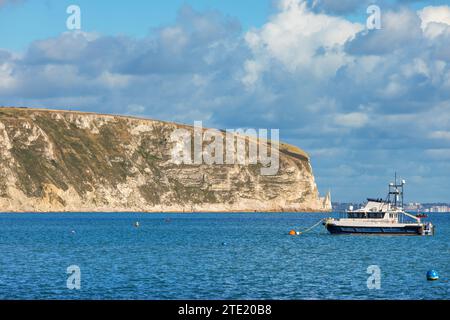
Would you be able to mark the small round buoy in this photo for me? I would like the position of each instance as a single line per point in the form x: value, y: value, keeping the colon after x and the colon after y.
x: 73, y: 231
x: 224, y: 243
x: 432, y: 275
x: 292, y: 233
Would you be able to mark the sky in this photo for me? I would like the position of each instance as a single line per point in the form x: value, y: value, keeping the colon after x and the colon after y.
x: 363, y: 103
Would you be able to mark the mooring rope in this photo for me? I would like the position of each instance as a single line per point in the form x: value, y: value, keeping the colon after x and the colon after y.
x: 310, y: 228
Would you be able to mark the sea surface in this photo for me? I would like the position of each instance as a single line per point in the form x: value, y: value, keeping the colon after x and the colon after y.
x: 212, y: 256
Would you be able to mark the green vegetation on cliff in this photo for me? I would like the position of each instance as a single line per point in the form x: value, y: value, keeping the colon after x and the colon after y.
x: 73, y: 161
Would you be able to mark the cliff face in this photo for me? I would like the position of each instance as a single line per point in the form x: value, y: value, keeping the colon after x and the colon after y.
x: 69, y: 161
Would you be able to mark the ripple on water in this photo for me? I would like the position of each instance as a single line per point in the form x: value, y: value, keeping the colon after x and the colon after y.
x: 212, y: 256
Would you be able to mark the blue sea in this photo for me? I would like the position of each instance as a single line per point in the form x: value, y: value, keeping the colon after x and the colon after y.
x: 212, y: 256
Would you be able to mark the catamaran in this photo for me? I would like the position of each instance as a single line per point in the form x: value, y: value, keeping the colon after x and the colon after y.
x: 380, y: 216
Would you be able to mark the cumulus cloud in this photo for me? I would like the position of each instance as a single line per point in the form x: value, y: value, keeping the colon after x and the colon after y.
x: 431, y: 14
x: 399, y: 29
x: 383, y: 90
x: 170, y: 72
x: 352, y: 120
x: 363, y: 103
x: 300, y: 41
x: 440, y: 135
x: 435, y: 20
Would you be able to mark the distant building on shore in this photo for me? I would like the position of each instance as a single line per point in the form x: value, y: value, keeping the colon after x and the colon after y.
x: 441, y: 209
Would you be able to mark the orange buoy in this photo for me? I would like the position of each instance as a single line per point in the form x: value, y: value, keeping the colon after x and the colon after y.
x: 292, y: 233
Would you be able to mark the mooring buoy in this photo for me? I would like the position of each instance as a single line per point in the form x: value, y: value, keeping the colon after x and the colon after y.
x: 432, y: 275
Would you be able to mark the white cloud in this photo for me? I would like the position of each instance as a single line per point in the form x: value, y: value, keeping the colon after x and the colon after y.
x: 135, y: 109
x: 114, y: 80
x: 445, y: 135
x: 253, y: 69
x: 69, y: 46
x: 174, y: 38
x: 393, y: 89
x: 352, y: 120
x: 7, y: 80
x: 435, y: 20
x: 317, y: 77
x: 440, y: 14
x: 299, y: 40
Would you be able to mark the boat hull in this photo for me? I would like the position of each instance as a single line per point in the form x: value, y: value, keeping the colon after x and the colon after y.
x: 404, y: 230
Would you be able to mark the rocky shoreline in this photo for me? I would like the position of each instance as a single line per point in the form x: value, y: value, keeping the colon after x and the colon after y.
x: 65, y: 161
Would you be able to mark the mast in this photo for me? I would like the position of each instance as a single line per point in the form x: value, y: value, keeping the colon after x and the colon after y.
x: 396, y: 191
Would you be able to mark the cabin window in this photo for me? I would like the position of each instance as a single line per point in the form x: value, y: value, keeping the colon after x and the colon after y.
x: 376, y: 215
x: 370, y: 215
x: 362, y: 215
x: 356, y: 215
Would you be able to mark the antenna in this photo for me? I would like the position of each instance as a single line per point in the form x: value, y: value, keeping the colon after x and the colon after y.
x: 396, y: 190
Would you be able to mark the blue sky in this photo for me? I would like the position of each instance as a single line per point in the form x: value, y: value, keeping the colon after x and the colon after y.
x: 28, y: 20
x: 363, y: 103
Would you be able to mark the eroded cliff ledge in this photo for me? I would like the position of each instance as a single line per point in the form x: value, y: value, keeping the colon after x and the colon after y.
x: 59, y: 161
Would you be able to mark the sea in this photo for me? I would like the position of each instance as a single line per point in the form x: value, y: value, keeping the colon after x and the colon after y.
x: 139, y: 256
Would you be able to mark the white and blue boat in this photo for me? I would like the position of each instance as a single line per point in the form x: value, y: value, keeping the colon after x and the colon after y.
x: 378, y: 216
